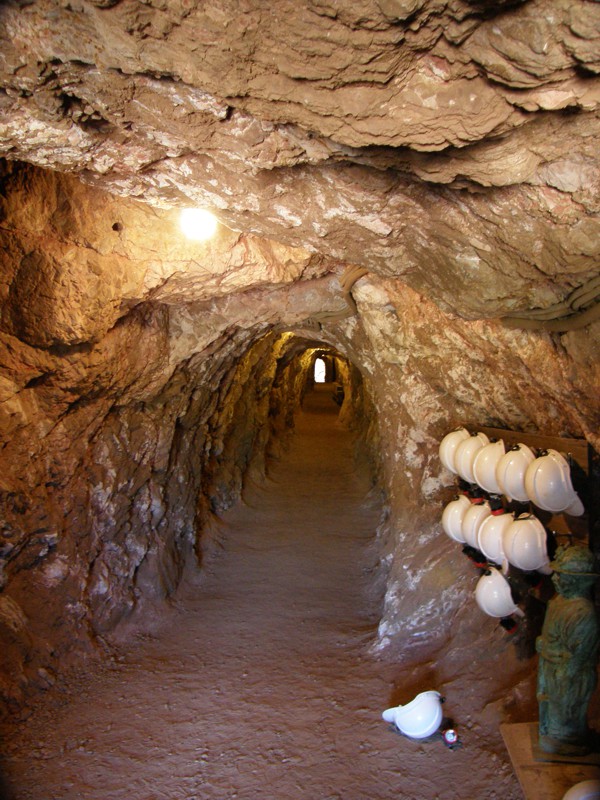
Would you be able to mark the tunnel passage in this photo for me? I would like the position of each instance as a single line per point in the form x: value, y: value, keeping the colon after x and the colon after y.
x: 143, y: 480
x: 251, y: 666
x: 261, y: 675
x: 133, y: 406
x: 263, y: 672
x: 144, y: 381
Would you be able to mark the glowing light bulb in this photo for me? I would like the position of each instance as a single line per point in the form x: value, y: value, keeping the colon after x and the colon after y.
x: 198, y: 224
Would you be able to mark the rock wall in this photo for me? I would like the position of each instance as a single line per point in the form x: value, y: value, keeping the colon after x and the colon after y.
x: 127, y: 421
x: 431, y: 372
x: 101, y: 502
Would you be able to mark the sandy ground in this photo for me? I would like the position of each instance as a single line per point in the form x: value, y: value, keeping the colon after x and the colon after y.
x: 259, y: 682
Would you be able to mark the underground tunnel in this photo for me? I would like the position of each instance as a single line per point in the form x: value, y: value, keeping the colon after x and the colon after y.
x: 222, y: 553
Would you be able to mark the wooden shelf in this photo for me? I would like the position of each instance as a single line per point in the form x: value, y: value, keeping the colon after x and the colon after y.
x: 544, y: 780
x: 578, y: 449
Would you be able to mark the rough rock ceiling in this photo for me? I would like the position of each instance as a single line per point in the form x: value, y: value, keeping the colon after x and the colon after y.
x: 452, y: 144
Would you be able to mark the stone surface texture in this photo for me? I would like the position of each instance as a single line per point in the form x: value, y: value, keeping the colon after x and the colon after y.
x: 391, y: 122
x: 448, y: 149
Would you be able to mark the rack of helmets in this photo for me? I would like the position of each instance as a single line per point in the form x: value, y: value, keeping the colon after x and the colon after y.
x: 491, y: 517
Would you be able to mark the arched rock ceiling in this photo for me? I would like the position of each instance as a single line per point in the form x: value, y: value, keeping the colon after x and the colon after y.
x: 452, y: 144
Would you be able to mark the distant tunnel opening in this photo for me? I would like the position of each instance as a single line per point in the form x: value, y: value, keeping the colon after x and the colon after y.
x: 305, y: 366
x: 319, y: 372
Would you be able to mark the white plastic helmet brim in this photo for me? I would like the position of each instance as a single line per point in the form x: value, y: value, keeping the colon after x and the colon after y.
x: 576, y: 509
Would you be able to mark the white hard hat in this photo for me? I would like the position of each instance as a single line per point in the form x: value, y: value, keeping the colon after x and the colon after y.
x: 510, y: 472
x: 524, y: 544
x: 472, y: 520
x: 484, y: 466
x: 452, y: 517
x: 548, y: 485
x: 489, y: 538
x: 448, y: 447
x: 465, y: 455
x: 493, y: 596
x: 586, y: 790
x: 419, y: 718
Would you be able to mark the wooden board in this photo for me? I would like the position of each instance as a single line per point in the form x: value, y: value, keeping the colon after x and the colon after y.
x: 576, y: 448
x: 542, y: 780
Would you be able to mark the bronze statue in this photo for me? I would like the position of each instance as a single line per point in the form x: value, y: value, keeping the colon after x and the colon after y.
x: 568, y: 649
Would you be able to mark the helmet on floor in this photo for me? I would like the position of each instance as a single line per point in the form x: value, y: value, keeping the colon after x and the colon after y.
x: 465, y: 455
x: 524, y: 544
x: 452, y: 517
x: 448, y: 447
x: 484, y: 466
x: 548, y: 485
x: 419, y: 718
x: 510, y: 472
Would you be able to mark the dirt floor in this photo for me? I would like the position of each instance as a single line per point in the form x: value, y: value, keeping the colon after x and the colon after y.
x: 259, y: 683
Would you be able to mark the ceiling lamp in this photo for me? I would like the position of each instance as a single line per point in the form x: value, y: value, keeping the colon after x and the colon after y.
x: 198, y: 224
